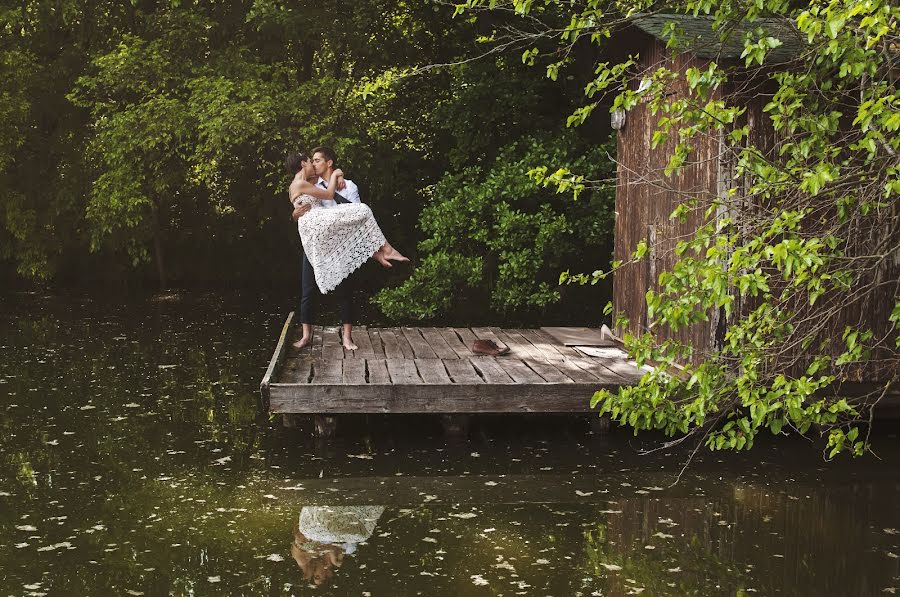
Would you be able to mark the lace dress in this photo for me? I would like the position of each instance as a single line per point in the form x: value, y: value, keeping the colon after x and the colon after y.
x: 338, y: 525
x: 337, y: 240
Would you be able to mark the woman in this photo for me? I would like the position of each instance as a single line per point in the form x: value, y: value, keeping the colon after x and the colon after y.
x: 339, y: 239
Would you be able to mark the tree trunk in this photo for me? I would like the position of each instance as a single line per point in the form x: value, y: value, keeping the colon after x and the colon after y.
x: 157, y: 250
x: 339, y: 61
x: 305, y: 62
x: 326, y: 426
x: 341, y: 50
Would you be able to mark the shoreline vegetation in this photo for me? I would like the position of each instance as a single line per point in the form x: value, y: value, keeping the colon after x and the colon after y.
x: 147, y: 146
x: 148, y: 149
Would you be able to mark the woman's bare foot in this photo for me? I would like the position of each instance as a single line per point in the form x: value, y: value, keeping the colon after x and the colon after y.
x: 380, y: 258
x: 392, y: 254
x: 395, y: 255
x: 302, y: 342
x: 349, y: 345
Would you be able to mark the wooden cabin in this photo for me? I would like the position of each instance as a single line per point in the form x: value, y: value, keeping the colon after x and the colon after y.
x: 645, y: 196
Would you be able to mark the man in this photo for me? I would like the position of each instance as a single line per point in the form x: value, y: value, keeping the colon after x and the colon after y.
x: 323, y: 159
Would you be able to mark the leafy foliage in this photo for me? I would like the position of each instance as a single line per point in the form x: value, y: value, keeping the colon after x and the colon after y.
x: 799, y: 255
x: 151, y: 145
x: 493, y: 228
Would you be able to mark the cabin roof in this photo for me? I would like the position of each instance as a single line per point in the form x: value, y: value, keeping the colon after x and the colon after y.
x: 696, y: 34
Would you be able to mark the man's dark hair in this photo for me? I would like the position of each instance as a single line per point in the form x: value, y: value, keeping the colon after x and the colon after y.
x: 293, y: 161
x: 327, y: 152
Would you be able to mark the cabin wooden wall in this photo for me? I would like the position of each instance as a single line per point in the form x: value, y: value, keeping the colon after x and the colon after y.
x: 645, y: 198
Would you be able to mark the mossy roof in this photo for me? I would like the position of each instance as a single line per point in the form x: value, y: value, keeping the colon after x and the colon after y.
x: 696, y: 34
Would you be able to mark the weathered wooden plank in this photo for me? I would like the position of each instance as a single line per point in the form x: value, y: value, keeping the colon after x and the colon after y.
x: 438, y: 398
x: 296, y: 370
x: 378, y: 373
x: 315, y: 348
x: 327, y: 372
x: 462, y: 351
x: 438, y: 344
x: 558, y: 354
x: 580, y: 336
x: 403, y: 371
x: 548, y: 350
x: 518, y: 345
x: 354, y: 371
x: 403, y: 343
x: 361, y: 338
x: 519, y: 371
x: 277, y: 358
x: 375, y: 341
x: 391, y: 347
x: 462, y: 371
x: 542, y: 340
x: 288, y: 370
x: 549, y: 371
x: 467, y: 336
x: 432, y: 371
x: 488, y: 334
x: 331, y: 344
x: 575, y: 372
x: 595, y: 367
x: 614, y: 359
x: 420, y: 347
x: 490, y: 370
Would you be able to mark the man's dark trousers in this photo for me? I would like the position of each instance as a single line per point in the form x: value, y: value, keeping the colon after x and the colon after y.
x: 310, y: 291
x: 310, y: 294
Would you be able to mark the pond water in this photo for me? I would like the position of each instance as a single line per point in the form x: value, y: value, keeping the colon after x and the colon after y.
x: 134, y: 461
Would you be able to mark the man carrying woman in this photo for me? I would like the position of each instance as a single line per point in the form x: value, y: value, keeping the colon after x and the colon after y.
x: 338, y: 233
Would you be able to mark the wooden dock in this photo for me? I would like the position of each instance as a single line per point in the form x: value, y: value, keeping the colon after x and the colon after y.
x: 433, y: 370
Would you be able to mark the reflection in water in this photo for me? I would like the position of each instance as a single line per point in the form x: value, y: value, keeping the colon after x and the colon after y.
x: 325, y: 534
x: 133, y: 461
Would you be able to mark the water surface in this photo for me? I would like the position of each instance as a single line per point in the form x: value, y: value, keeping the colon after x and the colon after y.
x: 133, y: 460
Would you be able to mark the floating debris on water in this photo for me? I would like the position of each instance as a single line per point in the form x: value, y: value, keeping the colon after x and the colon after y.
x: 611, y: 567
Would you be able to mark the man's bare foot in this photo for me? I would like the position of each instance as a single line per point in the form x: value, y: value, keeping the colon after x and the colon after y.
x: 349, y: 345
x: 302, y: 342
x: 380, y: 258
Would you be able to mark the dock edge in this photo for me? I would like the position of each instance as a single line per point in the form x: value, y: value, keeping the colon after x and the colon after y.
x: 277, y: 357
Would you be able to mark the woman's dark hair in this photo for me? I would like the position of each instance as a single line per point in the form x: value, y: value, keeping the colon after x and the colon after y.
x: 293, y: 161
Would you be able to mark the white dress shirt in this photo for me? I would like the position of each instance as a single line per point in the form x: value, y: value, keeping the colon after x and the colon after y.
x: 350, y: 192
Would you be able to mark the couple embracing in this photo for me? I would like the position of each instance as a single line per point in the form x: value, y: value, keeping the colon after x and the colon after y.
x: 338, y: 233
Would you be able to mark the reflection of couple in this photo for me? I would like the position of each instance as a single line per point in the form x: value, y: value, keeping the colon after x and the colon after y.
x: 324, y: 534
x: 338, y: 232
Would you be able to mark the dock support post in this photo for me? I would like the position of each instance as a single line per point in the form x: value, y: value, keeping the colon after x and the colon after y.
x: 600, y: 425
x: 326, y: 425
x: 455, y: 425
x: 290, y: 421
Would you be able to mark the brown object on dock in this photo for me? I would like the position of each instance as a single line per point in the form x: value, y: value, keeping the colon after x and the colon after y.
x: 489, y: 348
x: 433, y: 370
